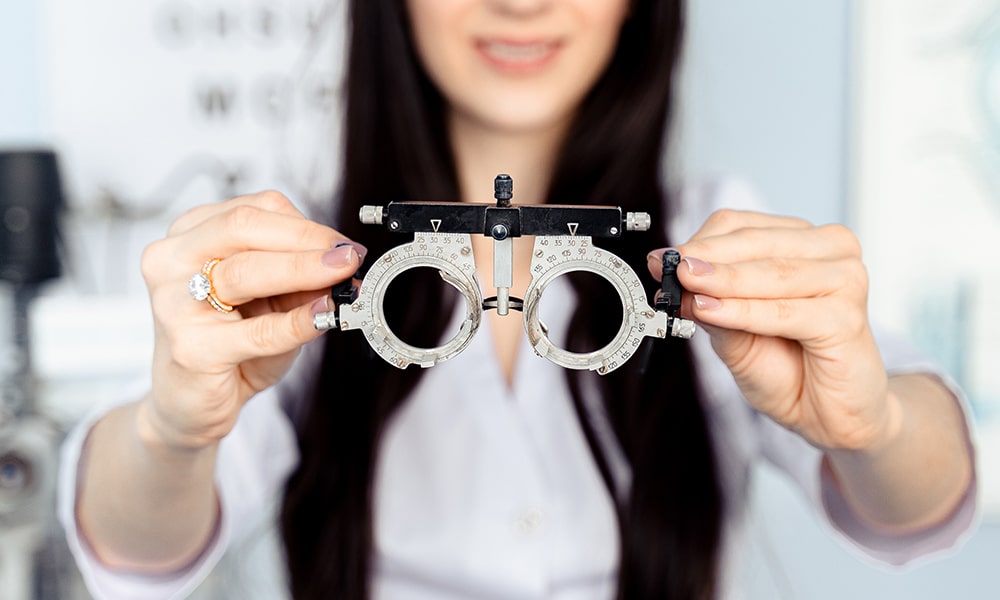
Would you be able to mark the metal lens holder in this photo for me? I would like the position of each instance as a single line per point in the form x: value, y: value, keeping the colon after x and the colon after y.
x: 563, y: 244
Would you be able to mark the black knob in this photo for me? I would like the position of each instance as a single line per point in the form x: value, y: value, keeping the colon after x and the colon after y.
x: 31, y: 203
x: 668, y: 298
x: 503, y: 189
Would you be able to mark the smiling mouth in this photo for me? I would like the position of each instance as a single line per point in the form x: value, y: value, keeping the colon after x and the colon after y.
x: 517, y: 55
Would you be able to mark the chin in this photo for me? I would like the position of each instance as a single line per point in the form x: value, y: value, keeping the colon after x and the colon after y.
x: 522, y: 116
x: 526, y: 123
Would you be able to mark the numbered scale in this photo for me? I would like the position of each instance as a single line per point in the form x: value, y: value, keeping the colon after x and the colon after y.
x: 563, y: 244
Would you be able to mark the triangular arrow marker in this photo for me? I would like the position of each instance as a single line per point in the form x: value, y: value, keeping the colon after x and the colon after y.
x: 572, y: 228
x: 435, y: 223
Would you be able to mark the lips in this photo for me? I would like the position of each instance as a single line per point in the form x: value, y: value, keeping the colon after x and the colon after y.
x: 518, y: 55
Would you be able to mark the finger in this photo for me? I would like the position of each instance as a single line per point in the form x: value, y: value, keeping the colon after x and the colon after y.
x: 812, y: 320
x: 743, y: 352
x: 826, y: 242
x: 276, y: 333
x: 245, y: 276
x: 280, y: 303
x: 774, y: 278
x: 243, y: 228
x: 727, y: 220
x: 287, y: 302
x: 268, y: 200
x: 211, y: 344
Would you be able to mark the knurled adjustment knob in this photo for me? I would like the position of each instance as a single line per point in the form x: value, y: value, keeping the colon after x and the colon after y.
x: 503, y: 189
x: 371, y: 215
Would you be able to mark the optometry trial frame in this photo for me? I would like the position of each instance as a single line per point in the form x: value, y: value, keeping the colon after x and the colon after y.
x: 563, y: 244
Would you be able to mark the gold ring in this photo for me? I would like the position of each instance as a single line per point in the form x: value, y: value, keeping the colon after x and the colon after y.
x: 201, y: 287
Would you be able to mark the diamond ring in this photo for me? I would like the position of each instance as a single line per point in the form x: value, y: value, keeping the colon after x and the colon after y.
x: 200, y: 286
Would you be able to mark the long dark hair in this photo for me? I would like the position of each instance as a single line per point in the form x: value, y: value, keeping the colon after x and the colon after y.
x: 396, y: 148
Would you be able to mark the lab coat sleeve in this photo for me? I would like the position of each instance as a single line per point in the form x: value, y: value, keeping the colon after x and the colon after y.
x: 802, y: 461
x: 253, y: 462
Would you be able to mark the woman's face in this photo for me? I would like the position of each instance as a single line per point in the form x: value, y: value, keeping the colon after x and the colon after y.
x: 515, y: 65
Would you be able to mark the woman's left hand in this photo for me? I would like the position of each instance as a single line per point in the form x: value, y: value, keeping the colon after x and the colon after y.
x: 785, y: 304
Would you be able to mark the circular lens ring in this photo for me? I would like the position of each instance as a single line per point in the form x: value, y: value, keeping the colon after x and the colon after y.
x: 451, y: 255
x: 555, y: 256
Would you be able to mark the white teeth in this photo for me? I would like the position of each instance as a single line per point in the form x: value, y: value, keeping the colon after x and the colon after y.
x: 517, y: 53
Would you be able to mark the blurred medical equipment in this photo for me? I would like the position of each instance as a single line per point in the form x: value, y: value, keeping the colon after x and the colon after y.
x: 31, y: 203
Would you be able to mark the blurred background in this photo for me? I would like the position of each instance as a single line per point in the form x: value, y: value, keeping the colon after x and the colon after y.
x: 116, y: 116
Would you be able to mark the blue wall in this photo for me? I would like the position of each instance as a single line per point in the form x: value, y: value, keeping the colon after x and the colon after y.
x: 21, y: 99
x: 765, y: 96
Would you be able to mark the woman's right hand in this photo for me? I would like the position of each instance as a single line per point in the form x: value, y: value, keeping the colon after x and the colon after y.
x: 277, y: 268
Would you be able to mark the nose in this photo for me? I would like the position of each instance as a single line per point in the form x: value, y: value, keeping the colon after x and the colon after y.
x: 520, y: 8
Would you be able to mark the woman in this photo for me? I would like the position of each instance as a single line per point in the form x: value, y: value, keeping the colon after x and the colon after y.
x: 496, y: 473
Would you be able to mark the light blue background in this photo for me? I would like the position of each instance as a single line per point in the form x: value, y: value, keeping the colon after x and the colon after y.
x: 22, y: 120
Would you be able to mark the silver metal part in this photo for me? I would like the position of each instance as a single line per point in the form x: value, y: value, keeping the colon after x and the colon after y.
x: 637, y: 221
x: 451, y: 255
x: 557, y: 255
x: 682, y: 328
x: 371, y: 215
x: 325, y: 320
x: 503, y: 272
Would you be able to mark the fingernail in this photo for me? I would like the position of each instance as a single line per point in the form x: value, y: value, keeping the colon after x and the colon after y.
x: 696, y: 266
x: 652, y: 263
x: 341, y: 256
x: 359, y: 248
x: 320, y: 305
x: 704, y: 302
x: 655, y: 259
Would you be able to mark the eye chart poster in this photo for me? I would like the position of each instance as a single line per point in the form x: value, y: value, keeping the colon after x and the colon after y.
x: 926, y: 167
x: 155, y: 107
x: 159, y: 105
